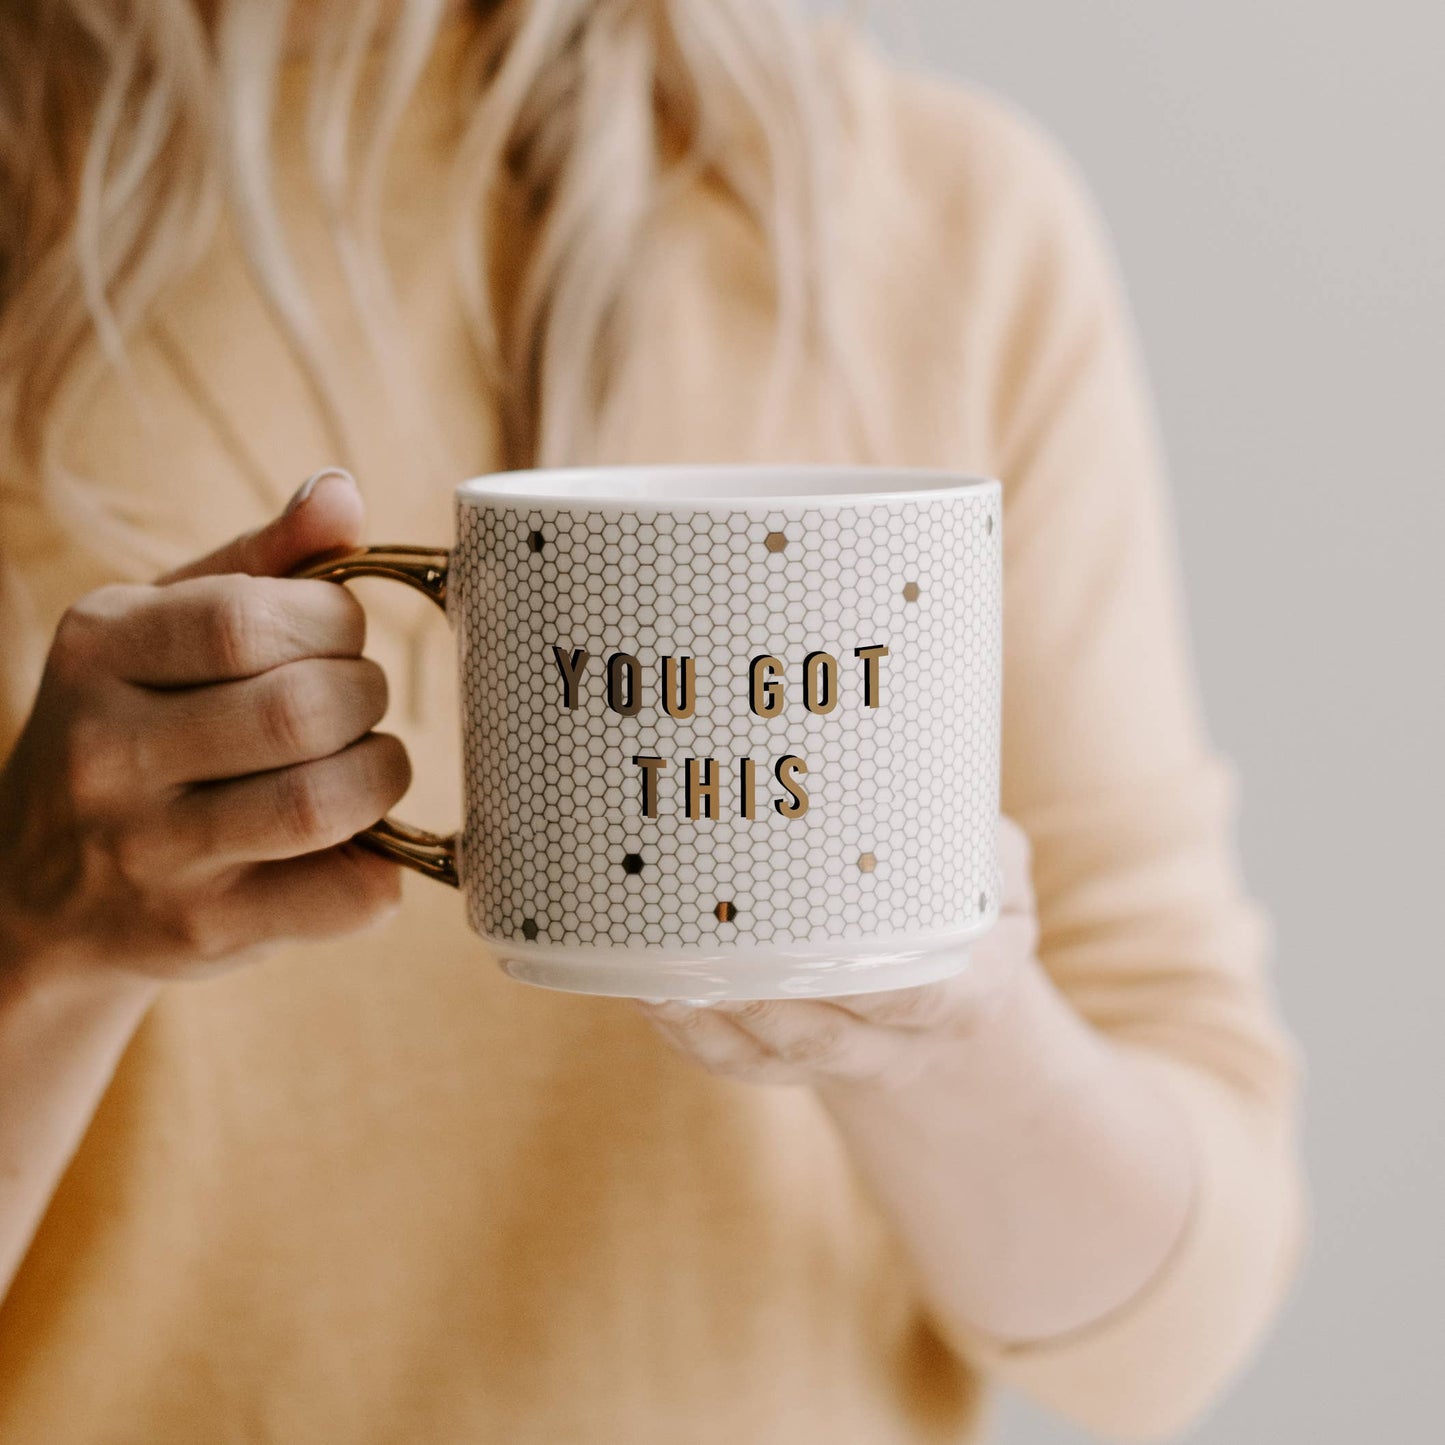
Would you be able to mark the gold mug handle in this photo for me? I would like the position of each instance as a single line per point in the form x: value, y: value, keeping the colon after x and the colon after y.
x: 424, y: 568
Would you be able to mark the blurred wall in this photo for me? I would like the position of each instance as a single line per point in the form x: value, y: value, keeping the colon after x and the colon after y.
x: 1273, y: 174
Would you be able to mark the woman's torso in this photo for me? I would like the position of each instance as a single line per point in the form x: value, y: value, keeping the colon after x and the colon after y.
x: 375, y: 1190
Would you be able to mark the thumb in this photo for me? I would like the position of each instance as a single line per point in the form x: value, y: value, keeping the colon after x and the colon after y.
x: 325, y: 514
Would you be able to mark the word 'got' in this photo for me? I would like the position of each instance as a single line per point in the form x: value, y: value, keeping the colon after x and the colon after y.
x: 677, y: 683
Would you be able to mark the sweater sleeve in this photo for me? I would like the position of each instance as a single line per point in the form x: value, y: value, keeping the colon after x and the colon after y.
x: 1145, y: 924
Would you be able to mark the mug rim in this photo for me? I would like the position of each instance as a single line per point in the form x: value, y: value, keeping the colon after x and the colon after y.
x: 702, y: 486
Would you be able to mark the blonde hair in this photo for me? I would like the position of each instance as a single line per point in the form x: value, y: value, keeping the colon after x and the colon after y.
x: 126, y: 124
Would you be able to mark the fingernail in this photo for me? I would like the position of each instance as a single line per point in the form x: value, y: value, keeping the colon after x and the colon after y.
x: 309, y: 486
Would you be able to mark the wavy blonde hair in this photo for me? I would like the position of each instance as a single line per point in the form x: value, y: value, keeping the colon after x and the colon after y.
x: 125, y: 125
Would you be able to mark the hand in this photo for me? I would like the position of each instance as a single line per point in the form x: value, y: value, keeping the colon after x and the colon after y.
x: 874, y: 1038
x: 199, y: 753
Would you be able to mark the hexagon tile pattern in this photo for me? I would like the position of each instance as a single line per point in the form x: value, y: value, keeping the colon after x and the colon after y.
x: 556, y: 849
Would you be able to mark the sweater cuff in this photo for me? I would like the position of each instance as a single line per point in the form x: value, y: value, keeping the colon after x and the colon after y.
x: 1149, y: 1368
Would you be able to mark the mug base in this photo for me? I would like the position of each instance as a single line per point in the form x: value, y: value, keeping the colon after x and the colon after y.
x: 808, y: 972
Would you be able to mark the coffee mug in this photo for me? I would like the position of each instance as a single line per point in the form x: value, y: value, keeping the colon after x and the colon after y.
x: 729, y: 731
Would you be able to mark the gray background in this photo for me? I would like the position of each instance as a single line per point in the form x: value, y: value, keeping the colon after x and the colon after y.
x: 1272, y: 173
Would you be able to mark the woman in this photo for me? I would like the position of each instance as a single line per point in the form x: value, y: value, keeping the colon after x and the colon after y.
x: 270, y: 1177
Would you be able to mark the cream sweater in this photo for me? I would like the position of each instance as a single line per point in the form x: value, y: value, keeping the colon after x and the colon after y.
x: 376, y: 1192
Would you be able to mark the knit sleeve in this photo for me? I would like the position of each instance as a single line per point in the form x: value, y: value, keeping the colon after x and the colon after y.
x: 1145, y: 924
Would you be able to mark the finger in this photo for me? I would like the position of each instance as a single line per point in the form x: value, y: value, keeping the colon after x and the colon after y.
x: 341, y: 891
x: 959, y: 1004
x: 294, y: 713
x: 923, y: 1009
x: 282, y: 814
x: 709, y: 1039
x: 326, y: 513
x: 215, y: 629
x: 326, y: 895
x: 816, y: 1037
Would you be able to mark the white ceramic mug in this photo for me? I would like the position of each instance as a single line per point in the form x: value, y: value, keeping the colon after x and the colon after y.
x: 729, y: 731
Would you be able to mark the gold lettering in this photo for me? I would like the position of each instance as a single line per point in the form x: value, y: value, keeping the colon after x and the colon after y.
x: 748, y: 788
x: 571, y: 669
x: 871, y: 671
x: 766, y: 693
x: 624, y: 684
x: 701, y: 787
x: 679, y: 706
x: 820, y: 682
x: 786, y: 772
x: 651, y: 767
